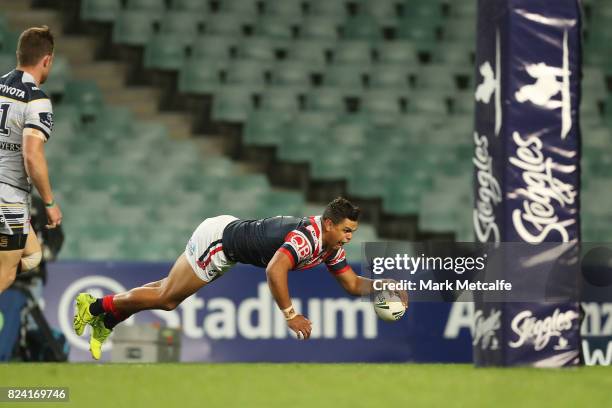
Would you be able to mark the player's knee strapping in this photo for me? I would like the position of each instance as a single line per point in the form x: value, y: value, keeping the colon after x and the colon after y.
x: 31, y: 261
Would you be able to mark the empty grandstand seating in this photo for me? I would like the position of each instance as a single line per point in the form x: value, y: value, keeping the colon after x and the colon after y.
x: 374, y: 94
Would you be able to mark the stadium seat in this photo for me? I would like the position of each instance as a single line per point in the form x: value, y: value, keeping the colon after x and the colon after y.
x: 232, y: 103
x: 454, y: 53
x: 438, y: 213
x: 8, y: 41
x: 265, y: 128
x: 281, y: 99
x: 463, y: 103
x: 303, y: 141
x: 598, y: 137
x: 321, y: 28
x: 100, y: 10
x: 437, y: 77
x: 293, y: 73
x: 165, y: 52
x: 146, y: 5
x: 593, y: 82
x: 384, y: 12
x: 278, y: 28
x: 329, y: 99
x: 118, y: 119
x: 281, y: 203
x: 367, y: 181
x: 464, y: 9
x: 404, y: 201
x: 226, y: 24
x: 349, y: 77
x: 7, y: 63
x: 331, y: 166
x: 362, y: 27
x: 250, y: 184
x: 428, y: 101
x: 214, y: 47
x: 85, y: 95
x: 309, y: 52
x: 217, y: 167
x: 185, y: 23
x: 257, y: 48
x: 382, y: 102
x: 459, y: 128
x: 428, y: 10
x: 460, y: 29
x: 589, y: 108
x: 56, y: 83
x: 199, y: 76
x: 336, y: 8
x: 397, y: 52
x: 422, y: 32
x: 248, y: 72
x: 203, y: 183
x: 195, y: 6
x: 134, y: 27
x: 389, y: 137
x: 596, y: 52
x: 101, y: 250
x: 391, y: 76
x: 151, y: 133
x: 290, y: 9
x: 321, y: 119
x: 600, y: 31
x: 353, y: 52
x: 239, y: 7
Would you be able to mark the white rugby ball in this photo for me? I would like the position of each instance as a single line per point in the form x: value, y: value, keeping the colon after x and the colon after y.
x: 388, y: 306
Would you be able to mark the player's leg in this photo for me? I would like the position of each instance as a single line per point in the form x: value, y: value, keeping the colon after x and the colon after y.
x: 166, y: 294
x: 155, y: 284
x: 202, y: 262
x: 9, y: 261
x: 14, y: 215
x: 32, y: 253
x: 83, y: 305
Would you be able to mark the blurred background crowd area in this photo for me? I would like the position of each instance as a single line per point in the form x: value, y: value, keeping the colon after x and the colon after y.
x: 168, y: 112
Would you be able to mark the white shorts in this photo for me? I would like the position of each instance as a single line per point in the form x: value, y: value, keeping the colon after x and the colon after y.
x: 204, y: 250
x: 14, y: 210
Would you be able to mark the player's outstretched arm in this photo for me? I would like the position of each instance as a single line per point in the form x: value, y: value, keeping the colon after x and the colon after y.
x: 38, y: 171
x: 357, y: 285
x: 354, y: 284
x: 276, y: 273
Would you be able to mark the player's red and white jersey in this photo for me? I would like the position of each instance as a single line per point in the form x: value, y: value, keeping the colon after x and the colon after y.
x: 256, y: 241
x: 304, y: 246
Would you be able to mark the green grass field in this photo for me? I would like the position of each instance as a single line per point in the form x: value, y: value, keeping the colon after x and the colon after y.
x: 314, y: 385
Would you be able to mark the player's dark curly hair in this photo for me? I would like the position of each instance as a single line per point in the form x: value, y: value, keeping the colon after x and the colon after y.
x: 341, y: 208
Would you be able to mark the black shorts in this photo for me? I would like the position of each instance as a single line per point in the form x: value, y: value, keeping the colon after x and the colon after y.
x: 12, y: 242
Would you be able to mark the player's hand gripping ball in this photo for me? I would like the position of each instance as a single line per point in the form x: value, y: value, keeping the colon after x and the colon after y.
x: 388, y: 306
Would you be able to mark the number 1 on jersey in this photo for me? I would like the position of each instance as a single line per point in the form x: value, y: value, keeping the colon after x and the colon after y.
x: 4, y: 109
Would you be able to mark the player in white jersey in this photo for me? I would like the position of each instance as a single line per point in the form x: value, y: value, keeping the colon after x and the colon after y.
x: 26, y: 122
